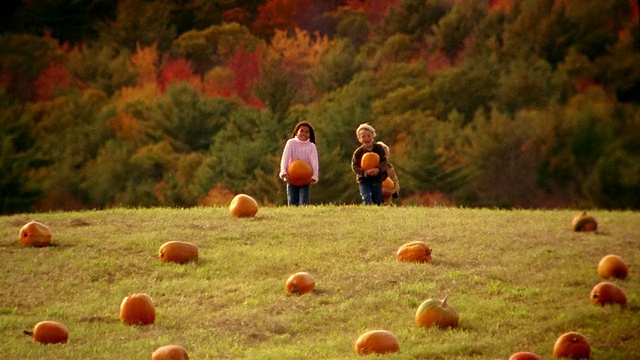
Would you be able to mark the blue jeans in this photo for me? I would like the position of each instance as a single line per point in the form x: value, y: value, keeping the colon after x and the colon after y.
x: 371, y: 193
x: 298, y: 195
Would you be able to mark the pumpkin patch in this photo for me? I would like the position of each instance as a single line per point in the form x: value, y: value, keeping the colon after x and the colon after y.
x: 300, y: 283
x: 613, y: 266
x: 49, y: 332
x: 35, y: 234
x: 436, y: 312
x: 243, y: 205
x: 584, y: 223
x: 571, y: 345
x: 369, y: 160
x: 178, y: 251
x: 300, y: 172
x: 137, y: 309
x: 377, y: 342
x: 608, y: 293
x: 416, y: 251
x: 170, y: 352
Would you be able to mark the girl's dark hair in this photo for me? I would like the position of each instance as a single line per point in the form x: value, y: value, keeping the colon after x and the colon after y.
x: 312, y: 134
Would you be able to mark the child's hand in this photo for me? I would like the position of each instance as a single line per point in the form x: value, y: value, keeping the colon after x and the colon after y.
x: 372, y: 172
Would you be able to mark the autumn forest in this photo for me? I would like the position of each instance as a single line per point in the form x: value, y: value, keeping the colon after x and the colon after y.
x: 144, y: 103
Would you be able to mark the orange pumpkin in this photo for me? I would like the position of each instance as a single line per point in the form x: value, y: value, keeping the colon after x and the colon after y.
x: 608, y: 293
x: 524, y: 355
x: 137, y: 309
x: 572, y: 345
x: 377, y: 342
x: 243, y: 205
x: 369, y: 160
x: 49, y: 332
x: 436, y: 312
x: 35, y: 234
x: 613, y: 266
x: 300, y: 283
x: 300, y: 172
x: 584, y: 222
x: 170, y: 352
x: 178, y: 251
x: 388, y: 187
x: 416, y: 251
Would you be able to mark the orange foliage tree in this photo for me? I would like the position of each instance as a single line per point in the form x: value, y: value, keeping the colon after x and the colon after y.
x: 178, y: 70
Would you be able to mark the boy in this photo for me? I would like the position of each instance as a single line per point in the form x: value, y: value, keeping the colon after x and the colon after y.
x: 369, y: 181
x: 387, y: 194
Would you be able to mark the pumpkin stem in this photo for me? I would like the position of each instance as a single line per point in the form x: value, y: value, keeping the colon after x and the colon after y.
x: 27, y: 332
x: 444, y: 301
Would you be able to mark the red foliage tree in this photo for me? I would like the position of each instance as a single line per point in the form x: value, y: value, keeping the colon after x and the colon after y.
x: 282, y: 15
x: 374, y: 10
x: 246, y: 68
x: 51, y: 79
x: 178, y: 70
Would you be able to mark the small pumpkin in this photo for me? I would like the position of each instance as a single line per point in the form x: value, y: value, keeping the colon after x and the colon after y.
x: 137, y: 309
x: 584, y: 222
x: 170, y: 352
x: 178, y: 251
x: 608, y: 293
x: 524, y: 355
x: 613, y: 266
x: 243, y: 205
x: 416, y: 251
x: 436, y: 312
x: 388, y: 187
x: 300, y: 283
x: 35, y: 234
x: 49, y: 332
x: 572, y: 345
x: 300, y: 173
x: 377, y: 342
x: 369, y: 160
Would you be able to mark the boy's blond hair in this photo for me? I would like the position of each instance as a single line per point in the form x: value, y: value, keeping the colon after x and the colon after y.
x: 367, y: 127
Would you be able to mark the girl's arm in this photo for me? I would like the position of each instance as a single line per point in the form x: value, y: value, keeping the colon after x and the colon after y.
x: 284, y: 161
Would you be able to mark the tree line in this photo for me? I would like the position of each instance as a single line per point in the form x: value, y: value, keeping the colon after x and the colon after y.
x: 499, y: 103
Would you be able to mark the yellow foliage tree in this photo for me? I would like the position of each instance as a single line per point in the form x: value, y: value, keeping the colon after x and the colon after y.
x: 299, y: 51
x: 145, y: 60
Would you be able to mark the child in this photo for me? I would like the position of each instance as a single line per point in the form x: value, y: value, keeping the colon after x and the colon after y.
x: 369, y: 181
x: 391, y: 173
x: 301, y: 147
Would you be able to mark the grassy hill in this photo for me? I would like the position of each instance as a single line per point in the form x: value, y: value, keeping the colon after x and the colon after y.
x: 519, y: 279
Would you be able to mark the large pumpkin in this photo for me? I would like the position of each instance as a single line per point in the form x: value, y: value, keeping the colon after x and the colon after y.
x: 436, y: 312
x: 300, y: 283
x: 243, y: 205
x: 377, y: 342
x: 608, y: 293
x: 613, y: 266
x: 170, y: 352
x: 35, y: 234
x: 572, y: 345
x: 524, y: 355
x: 137, y: 309
x: 300, y: 172
x: 369, y: 160
x: 416, y: 251
x: 584, y: 222
x: 49, y: 332
x: 178, y: 251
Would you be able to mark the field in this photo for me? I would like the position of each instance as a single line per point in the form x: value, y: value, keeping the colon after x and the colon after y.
x: 518, y: 279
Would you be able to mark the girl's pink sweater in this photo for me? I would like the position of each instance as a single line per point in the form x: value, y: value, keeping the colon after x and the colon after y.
x: 295, y: 149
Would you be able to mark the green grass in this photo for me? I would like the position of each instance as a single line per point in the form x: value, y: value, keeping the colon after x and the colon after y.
x: 519, y: 279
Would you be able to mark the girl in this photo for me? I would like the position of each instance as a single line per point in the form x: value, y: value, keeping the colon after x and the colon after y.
x: 301, y: 147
